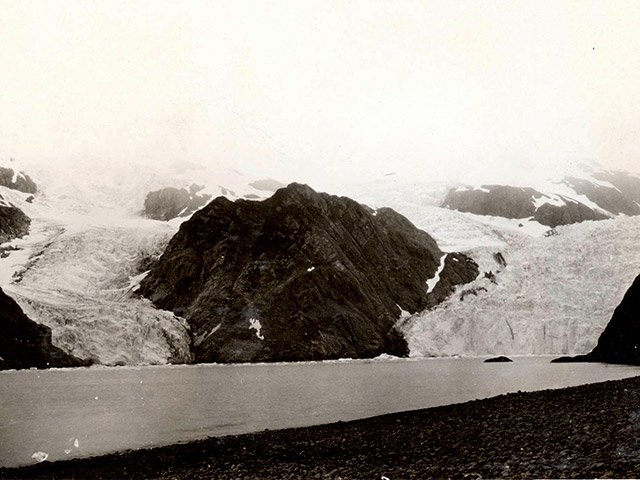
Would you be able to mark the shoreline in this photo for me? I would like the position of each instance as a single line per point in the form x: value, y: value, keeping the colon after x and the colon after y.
x: 589, y: 431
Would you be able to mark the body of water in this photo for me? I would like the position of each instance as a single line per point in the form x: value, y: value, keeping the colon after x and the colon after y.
x: 81, y: 412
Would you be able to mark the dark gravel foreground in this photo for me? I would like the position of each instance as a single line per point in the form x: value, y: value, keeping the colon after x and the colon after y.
x: 591, y: 431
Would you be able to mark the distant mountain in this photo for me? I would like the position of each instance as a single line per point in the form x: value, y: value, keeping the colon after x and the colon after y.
x: 12, y: 178
x: 300, y: 276
x: 620, y: 340
x: 597, y: 196
x: 25, y: 343
x: 168, y: 203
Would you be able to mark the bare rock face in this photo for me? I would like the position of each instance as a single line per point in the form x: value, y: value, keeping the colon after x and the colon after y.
x: 516, y: 202
x: 627, y: 183
x: 25, y: 343
x: 620, y: 340
x: 13, y: 222
x: 17, y: 180
x: 567, y: 214
x: 168, y: 203
x: 299, y: 276
x: 608, y: 198
x: 496, y: 200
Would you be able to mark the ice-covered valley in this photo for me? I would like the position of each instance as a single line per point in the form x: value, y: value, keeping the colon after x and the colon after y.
x: 555, y: 296
x: 77, y: 270
x: 87, y: 249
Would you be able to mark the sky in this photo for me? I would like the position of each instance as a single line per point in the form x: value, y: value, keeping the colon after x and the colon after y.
x: 327, y: 91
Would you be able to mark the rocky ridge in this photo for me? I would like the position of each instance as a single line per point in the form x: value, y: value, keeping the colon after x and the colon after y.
x: 299, y: 276
x: 574, y: 199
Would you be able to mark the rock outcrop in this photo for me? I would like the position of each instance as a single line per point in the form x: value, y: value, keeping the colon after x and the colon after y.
x: 609, y: 198
x: 627, y: 183
x: 299, y: 276
x: 168, y: 203
x: 528, y: 203
x: 620, y: 340
x: 600, y: 196
x: 25, y: 343
x: 17, y: 180
x: 496, y: 200
x: 13, y: 222
x: 500, y: 359
x: 567, y: 214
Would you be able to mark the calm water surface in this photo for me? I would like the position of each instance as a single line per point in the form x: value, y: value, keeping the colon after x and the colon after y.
x: 82, y: 412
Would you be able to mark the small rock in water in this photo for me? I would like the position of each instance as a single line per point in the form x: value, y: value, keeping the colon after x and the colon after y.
x: 76, y: 443
x: 40, y: 456
x: 498, y: 359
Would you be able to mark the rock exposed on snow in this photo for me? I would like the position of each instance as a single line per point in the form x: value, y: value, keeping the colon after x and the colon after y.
x: 15, y: 180
x: 620, y: 340
x: 567, y: 214
x: 324, y: 277
x: 25, y: 343
x: 13, y: 222
x: 168, y: 203
x: 496, y: 200
x: 573, y: 200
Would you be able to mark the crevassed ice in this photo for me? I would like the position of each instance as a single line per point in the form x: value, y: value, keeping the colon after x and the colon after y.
x: 555, y: 296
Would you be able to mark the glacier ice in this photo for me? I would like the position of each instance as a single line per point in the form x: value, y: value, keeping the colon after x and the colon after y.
x: 555, y: 296
x: 80, y: 286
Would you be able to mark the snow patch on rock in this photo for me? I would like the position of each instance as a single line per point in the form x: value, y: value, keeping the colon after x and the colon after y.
x: 432, y: 282
x: 254, y: 324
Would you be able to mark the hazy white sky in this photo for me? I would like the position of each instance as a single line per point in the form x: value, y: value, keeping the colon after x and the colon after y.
x: 323, y: 91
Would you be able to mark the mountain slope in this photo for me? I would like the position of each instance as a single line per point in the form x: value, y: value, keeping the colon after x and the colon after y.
x: 574, y: 199
x: 299, y: 276
x: 25, y: 343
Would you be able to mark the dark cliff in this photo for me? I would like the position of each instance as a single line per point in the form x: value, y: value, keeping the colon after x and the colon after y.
x: 620, y: 340
x: 25, y: 343
x: 13, y: 222
x: 299, y: 276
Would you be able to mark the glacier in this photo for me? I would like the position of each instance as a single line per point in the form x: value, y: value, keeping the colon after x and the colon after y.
x: 88, y: 249
x: 555, y: 296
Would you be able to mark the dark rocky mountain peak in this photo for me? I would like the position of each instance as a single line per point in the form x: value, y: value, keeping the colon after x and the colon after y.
x: 299, y: 276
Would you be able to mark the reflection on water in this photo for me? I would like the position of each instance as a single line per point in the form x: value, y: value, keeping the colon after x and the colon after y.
x: 108, y: 409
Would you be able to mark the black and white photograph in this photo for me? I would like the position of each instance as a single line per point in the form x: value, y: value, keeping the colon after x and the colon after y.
x: 319, y: 239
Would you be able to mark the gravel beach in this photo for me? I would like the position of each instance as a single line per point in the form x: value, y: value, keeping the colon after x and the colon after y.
x: 591, y: 431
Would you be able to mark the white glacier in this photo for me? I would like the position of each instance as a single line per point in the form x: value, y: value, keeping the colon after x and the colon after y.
x: 555, y: 296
